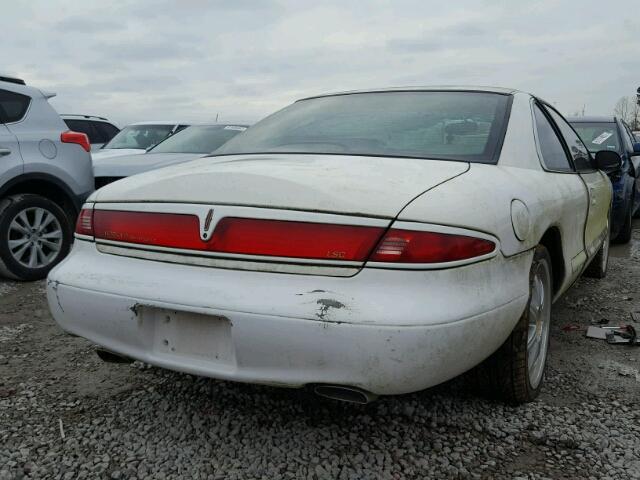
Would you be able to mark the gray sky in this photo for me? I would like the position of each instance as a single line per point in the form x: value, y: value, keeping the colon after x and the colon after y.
x: 190, y: 59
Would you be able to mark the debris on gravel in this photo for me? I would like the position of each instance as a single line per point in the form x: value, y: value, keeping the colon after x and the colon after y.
x: 66, y: 415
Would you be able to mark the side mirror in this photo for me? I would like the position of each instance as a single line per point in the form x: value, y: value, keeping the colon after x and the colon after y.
x: 607, y: 161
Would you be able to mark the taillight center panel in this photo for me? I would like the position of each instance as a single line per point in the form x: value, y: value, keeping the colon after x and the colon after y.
x: 209, y: 216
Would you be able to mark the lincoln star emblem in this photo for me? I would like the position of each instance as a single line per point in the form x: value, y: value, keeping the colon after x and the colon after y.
x: 207, y: 220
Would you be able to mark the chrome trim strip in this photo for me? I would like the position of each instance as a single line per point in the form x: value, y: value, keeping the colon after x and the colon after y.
x: 228, y: 263
x: 235, y: 256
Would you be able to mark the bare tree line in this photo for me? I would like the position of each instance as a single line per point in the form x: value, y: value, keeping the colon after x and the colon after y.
x: 628, y: 109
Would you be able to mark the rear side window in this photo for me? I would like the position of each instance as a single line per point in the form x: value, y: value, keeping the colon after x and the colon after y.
x: 13, y: 106
x: 108, y: 130
x: 84, y: 126
x: 553, y: 154
x: 577, y: 149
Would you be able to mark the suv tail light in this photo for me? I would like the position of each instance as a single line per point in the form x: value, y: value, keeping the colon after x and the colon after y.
x: 76, y: 137
x: 84, y: 224
x: 410, y: 246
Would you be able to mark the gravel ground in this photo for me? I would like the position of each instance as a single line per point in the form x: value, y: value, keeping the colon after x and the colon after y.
x: 65, y: 414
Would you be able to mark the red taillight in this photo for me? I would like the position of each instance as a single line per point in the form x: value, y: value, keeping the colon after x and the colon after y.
x: 282, y: 238
x: 240, y: 235
x: 409, y: 246
x: 294, y: 239
x: 84, y: 224
x: 76, y: 137
x: 161, y: 229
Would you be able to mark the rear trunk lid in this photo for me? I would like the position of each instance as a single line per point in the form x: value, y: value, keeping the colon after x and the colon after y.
x: 350, y: 185
x: 127, y: 165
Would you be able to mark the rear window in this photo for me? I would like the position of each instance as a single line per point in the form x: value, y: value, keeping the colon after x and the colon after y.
x: 13, y: 106
x: 451, y: 125
x: 598, y: 135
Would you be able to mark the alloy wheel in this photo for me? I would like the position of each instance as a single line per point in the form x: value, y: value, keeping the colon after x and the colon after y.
x: 35, y: 237
x: 539, y: 322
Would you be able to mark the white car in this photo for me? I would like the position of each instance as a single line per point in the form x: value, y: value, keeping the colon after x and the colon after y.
x: 136, y: 138
x: 188, y: 144
x: 364, y: 243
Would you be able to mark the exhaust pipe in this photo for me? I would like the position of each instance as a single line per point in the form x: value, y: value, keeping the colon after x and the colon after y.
x: 345, y: 394
x: 112, y: 357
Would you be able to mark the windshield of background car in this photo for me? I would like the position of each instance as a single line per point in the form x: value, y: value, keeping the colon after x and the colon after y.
x: 447, y: 125
x: 198, y: 139
x: 598, y: 135
x: 140, y: 136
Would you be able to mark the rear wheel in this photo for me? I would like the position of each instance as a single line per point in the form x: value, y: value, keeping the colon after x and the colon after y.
x: 515, y: 372
x: 35, y: 234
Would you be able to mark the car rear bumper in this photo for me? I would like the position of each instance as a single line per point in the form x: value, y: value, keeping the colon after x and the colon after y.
x: 384, y: 331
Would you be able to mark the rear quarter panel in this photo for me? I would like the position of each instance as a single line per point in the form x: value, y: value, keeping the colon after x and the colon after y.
x: 481, y: 199
x: 42, y: 151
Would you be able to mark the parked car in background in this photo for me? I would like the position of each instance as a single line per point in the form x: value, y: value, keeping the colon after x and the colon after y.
x: 365, y: 243
x: 98, y: 129
x: 188, y: 144
x: 636, y: 134
x: 137, y: 138
x: 45, y: 176
x: 610, y: 133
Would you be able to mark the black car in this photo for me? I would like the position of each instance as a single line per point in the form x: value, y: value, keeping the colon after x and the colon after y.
x: 611, y: 133
x: 98, y: 129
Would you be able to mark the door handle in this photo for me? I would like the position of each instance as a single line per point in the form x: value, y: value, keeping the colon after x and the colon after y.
x: 4, y: 151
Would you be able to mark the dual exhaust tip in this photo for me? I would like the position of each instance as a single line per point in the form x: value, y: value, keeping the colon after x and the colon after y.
x: 334, y: 392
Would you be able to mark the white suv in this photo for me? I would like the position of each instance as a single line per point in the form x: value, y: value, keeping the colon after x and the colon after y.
x: 45, y: 176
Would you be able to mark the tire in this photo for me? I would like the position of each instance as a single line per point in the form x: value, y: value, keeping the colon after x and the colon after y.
x: 35, y: 235
x: 506, y: 375
x: 598, y: 266
x: 625, y: 232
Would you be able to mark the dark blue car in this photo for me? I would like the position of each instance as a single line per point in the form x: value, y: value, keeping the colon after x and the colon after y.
x: 610, y: 133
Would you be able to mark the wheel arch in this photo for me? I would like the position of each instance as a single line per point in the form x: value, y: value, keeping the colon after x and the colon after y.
x: 47, y: 186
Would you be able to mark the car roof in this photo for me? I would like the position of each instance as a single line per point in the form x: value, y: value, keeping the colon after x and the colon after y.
x: 77, y: 116
x: 220, y: 124
x: 433, y: 88
x: 160, y: 122
x: 593, y: 118
x: 11, y: 79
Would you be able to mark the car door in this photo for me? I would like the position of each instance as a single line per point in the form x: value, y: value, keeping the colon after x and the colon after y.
x: 11, y: 164
x: 597, y: 183
x: 634, y: 163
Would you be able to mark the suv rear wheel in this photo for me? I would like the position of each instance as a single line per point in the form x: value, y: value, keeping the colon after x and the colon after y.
x: 35, y: 234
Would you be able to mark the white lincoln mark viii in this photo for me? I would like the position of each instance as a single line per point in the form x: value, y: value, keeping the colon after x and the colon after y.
x: 363, y: 243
